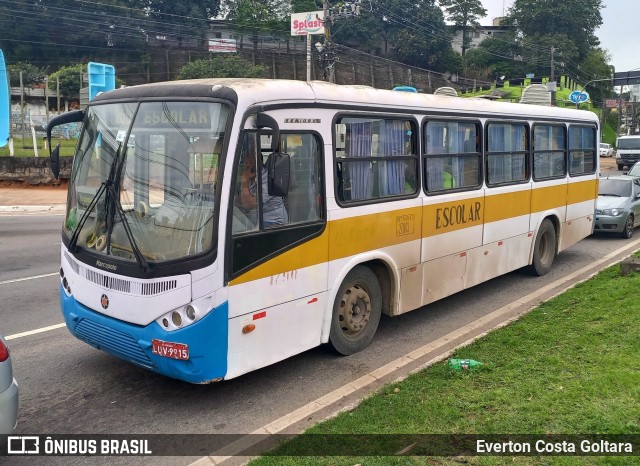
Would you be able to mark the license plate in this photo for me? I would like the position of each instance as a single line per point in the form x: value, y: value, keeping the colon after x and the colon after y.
x: 171, y: 350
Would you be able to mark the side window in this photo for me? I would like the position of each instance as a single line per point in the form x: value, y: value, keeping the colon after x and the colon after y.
x: 549, y: 150
x: 302, y: 204
x: 582, y: 150
x: 507, y: 148
x: 376, y: 158
x: 452, y: 155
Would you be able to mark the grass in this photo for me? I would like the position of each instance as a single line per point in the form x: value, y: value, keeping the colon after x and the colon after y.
x: 24, y: 147
x: 571, y: 366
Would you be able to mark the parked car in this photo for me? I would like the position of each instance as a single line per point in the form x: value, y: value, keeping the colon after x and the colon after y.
x: 8, y: 392
x: 618, y: 205
x: 606, y: 150
x: 634, y: 170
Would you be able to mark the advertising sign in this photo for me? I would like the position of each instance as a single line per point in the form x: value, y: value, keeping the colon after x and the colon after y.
x: 304, y: 24
x: 222, y: 45
x: 611, y: 103
x: 5, y: 116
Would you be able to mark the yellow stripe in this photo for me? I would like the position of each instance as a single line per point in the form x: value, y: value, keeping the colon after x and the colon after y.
x: 507, y: 205
x: 582, y: 191
x: 451, y: 216
x: 550, y: 197
x: 349, y: 236
x: 354, y: 235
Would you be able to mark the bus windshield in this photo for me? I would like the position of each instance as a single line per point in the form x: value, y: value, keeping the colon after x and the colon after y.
x: 144, y: 180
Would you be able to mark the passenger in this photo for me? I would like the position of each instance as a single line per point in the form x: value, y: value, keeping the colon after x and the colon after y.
x: 448, y: 181
x: 273, y: 209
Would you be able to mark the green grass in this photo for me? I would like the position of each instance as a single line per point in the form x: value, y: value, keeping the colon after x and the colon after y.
x: 24, y: 147
x: 571, y: 366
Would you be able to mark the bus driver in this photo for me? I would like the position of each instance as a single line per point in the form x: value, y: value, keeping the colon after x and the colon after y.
x: 273, y: 209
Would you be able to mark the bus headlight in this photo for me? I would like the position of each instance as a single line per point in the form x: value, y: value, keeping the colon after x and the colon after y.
x: 179, y: 318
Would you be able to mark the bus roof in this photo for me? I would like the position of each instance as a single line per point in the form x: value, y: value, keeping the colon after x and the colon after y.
x: 247, y: 92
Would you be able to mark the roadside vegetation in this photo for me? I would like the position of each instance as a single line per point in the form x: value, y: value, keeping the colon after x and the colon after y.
x: 24, y: 147
x: 568, y: 367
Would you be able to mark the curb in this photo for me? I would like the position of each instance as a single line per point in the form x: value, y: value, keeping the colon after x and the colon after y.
x: 27, y: 209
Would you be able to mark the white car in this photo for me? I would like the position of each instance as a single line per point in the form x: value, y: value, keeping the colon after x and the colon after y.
x: 8, y: 392
x: 605, y: 150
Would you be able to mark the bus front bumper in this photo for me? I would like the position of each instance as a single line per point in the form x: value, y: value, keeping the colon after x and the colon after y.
x: 206, y: 339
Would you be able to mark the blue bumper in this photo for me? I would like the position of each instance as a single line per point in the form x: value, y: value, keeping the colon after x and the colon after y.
x: 207, y: 340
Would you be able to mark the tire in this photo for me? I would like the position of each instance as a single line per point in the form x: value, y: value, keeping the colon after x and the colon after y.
x: 544, y: 249
x: 628, y: 227
x: 620, y: 167
x: 356, y: 311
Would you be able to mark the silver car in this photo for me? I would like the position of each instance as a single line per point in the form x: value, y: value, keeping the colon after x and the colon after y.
x: 618, y: 205
x: 8, y: 392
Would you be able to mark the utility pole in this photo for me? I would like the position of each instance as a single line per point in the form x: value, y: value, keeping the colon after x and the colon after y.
x: 552, y: 78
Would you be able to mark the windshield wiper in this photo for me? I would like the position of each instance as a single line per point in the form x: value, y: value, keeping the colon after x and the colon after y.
x: 142, y: 261
x: 76, y: 233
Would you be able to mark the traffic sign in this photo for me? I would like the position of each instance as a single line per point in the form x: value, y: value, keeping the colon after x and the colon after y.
x: 578, y: 97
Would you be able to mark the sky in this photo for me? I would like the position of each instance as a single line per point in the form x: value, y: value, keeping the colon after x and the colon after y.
x: 619, y: 33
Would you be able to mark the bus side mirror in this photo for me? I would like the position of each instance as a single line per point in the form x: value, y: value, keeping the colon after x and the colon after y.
x: 54, y: 155
x: 279, y: 170
x: 55, y: 162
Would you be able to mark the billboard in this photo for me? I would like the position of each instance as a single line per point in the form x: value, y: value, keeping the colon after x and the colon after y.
x: 304, y: 24
x: 222, y: 45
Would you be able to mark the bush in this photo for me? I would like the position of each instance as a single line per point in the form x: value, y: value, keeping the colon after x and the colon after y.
x: 222, y: 66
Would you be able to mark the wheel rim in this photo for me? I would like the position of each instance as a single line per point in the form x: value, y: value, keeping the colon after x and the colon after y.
x: 546, y: 248
x: 355, y: 311
x: 629, y: 226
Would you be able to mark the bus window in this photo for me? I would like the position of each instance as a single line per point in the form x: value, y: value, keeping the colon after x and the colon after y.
x: 378, y: 159
x: 303, y: 201
x: 582, y: 150
x: 549, y: 149
x: 452, y: 155
x: 507, y: 146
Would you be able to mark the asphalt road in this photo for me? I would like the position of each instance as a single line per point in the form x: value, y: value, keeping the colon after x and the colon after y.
x: 69, y: 387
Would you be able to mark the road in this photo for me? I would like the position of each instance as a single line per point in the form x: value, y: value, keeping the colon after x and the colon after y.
x: 70, y: 387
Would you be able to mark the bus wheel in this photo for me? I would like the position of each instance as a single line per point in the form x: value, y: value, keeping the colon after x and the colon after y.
x: 544, y: 250
x: 356, y: 311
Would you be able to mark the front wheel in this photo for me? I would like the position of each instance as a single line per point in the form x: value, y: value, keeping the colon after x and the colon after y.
x: 356, y: 311
x: 544, y: 249
x: 628, y: 227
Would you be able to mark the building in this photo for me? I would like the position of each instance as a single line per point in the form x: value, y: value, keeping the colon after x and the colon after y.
x: 478, y: 34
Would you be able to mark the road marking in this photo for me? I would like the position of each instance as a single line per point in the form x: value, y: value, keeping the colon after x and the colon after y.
x: 34, y: 332
x: 6, y: 282
x: 304, y: 412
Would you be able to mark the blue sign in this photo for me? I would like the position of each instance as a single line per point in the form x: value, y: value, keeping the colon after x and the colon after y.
x: 578, y: 97
x: 102, y: 78
x: 5, y: 116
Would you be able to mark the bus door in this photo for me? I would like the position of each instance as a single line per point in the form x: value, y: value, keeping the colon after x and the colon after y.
x: 278, y: 252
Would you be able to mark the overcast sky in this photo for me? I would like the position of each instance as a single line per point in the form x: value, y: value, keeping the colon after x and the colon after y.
x: 619, y: 33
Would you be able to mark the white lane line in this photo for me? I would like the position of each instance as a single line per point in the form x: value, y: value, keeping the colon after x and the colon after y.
x: 33, y: 332
x: 311, y: 408
x: 6, y: 282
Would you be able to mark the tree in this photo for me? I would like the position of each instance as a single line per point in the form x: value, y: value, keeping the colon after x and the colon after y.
x: 69, y: 77
x: 577, y: 19
x: 260, y: 17
x: 221, y: 66
x: 596, y: 67
x: 426, y: 40
x: 31, y: 74
x: 464, y: 14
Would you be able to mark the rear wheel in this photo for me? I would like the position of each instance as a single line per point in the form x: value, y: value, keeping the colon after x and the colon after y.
x: 544, y: 249
x: 628, y: 227
x: 356, y: 311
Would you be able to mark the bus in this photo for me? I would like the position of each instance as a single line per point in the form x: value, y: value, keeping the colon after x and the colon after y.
x: 217, y: 226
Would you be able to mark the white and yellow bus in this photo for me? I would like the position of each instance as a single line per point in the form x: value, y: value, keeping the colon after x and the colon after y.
x: 214, y: 227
